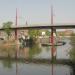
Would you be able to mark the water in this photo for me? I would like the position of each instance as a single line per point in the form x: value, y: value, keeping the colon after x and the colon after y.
x: 45, y: 52
x: 8, y: 67
x: 62, y: 51
x: 37, y: 51
x: 17, y: 68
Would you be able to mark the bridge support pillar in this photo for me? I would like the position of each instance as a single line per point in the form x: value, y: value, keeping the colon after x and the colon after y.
x: 53, y: 42
x: 16, y: 34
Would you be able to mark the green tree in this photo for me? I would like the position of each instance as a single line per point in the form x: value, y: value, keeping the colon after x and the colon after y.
x: 48, y: 33
x: 72, y: 51
x: 7, y: 28
x: 34, y: 33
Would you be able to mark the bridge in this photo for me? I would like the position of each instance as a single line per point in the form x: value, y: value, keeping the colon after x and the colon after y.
x: 53, y: 30
x: 51, y: 26
x: 61, y: 26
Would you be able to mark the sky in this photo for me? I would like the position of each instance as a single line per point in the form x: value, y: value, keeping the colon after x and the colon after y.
x: 37, y: 11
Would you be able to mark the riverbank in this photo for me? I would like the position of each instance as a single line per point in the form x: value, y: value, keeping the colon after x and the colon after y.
x: 43, y: 61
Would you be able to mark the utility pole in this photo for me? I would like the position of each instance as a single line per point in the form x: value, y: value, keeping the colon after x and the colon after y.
x: 53, y: 40
x: 16, y: 26
x: 51, y: 15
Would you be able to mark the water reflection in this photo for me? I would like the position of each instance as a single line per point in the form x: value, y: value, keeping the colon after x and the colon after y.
x: 53, y: 58
x: 53, y: 52
x: 22, y: 68
x: 17, y: 71
x: 28, y: 52
x: 61, y: 52
x: 7, y: 63
x: 35, y: 69
x: 36, y: 51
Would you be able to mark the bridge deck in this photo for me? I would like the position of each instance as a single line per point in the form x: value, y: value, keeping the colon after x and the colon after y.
x: 45, y: 27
